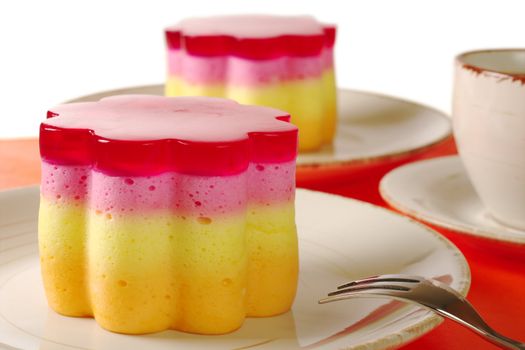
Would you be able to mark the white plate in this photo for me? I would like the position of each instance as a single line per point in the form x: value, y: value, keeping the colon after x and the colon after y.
x: 371, y: 128
x: 438, y: 191
x: 340, y: 239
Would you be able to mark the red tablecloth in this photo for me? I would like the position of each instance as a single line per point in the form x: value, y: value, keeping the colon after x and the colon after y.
x: 498, y: 271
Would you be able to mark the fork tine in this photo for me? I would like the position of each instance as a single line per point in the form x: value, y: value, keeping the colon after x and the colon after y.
x: 380, y: 278
x: 385, y: 290
x: 369, y: 287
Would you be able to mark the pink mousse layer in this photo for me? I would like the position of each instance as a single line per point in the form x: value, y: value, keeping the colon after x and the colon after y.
x: 204, y: 196
x: 245, y: 72
x: 65, y: 183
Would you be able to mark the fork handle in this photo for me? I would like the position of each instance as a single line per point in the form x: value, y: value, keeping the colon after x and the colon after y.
x: 476, y: 324
x: 504, y: 342
x: 499, y: 339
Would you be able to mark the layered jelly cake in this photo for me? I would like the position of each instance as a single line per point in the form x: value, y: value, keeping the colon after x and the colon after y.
x: 168, y: 213
x: 277, y: 61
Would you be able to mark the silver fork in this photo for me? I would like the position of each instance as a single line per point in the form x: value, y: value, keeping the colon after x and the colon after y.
x: 429, y: 293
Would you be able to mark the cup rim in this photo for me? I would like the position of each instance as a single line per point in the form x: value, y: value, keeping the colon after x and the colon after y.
x: 461, y: 59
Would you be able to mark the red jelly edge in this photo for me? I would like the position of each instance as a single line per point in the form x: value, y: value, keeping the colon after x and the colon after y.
x: 252, y: 48
x: 82, y: 147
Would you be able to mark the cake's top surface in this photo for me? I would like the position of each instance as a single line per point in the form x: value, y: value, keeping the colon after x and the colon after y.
x: 143, y: 117
x: 250, y: 26
x: 146, y: 135
x: 257, y: 37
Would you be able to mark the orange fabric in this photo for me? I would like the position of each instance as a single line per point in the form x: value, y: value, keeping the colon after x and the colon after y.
x: 19, y: 163
x: 498, y: 271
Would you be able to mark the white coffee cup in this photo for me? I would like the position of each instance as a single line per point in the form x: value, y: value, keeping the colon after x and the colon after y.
x: 489, y: 127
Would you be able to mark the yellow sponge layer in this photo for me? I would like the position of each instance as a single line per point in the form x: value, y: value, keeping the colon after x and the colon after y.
x: 330, y: 97
x: 273, y: 266
x: 62, y: 245
x: 162, y: 271
x: 311, y: 102
x: 141, y: 274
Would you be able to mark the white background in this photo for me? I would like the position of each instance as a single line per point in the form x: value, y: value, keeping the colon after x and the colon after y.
x: 55, y: 50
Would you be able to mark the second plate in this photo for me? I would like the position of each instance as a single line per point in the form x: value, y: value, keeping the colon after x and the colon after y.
x: 438, y: 191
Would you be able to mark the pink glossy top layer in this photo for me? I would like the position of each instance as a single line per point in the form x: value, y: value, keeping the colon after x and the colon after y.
x: 147, y: 135
x: 251, y: 36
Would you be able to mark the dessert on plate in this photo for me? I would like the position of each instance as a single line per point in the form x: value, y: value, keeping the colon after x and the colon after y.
x: 284, y: 62
x: 168, y: 213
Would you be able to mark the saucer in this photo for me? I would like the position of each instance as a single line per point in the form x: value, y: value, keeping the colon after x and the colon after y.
x: 439, y: 192
x: 371, y: 129
x: 340, y: 239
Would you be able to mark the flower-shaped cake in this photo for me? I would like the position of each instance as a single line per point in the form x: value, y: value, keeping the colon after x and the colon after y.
x: 161, y: 213
x: 277, y: 61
